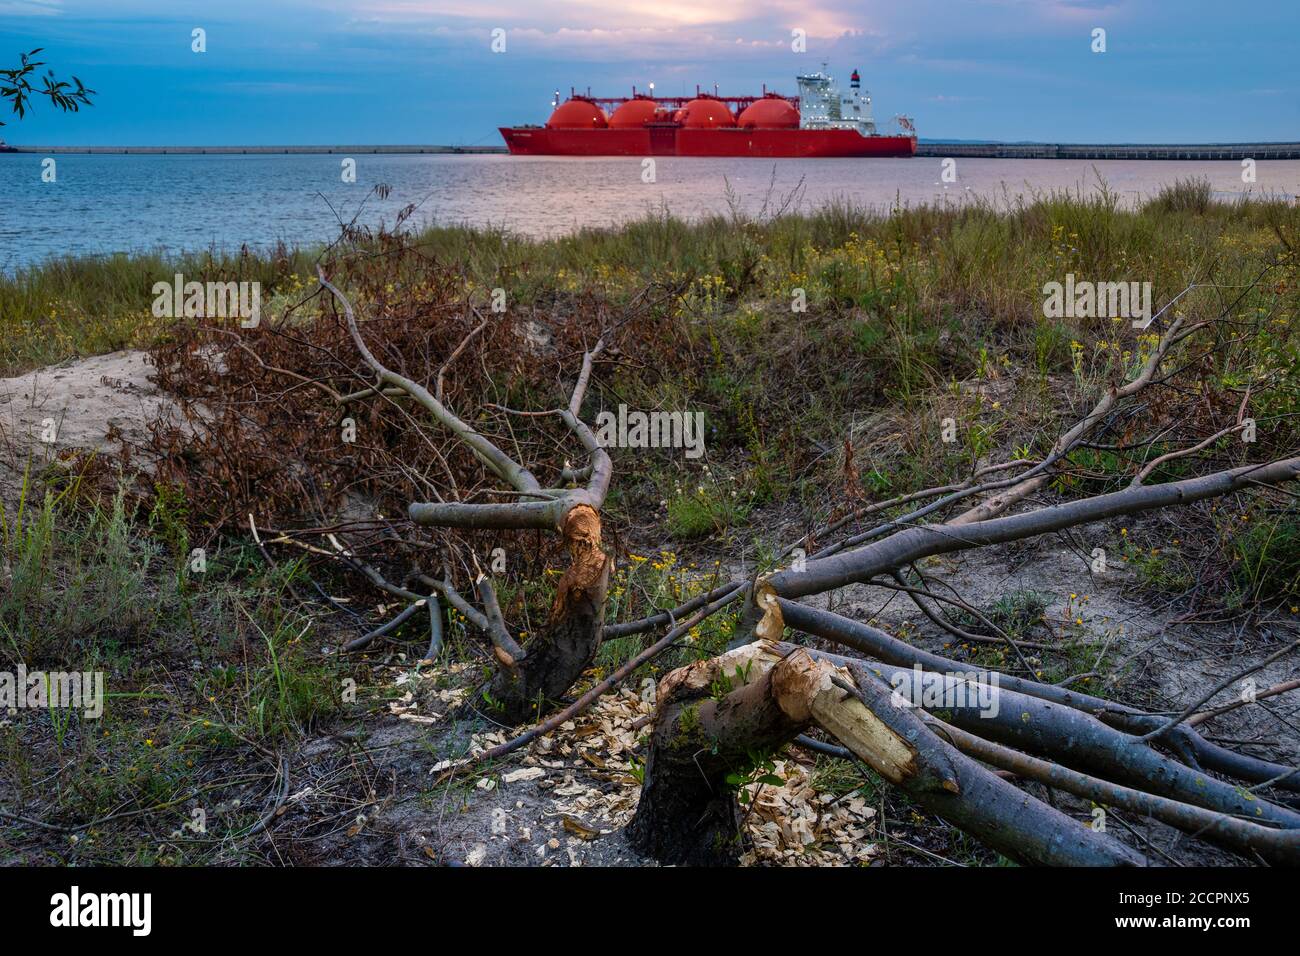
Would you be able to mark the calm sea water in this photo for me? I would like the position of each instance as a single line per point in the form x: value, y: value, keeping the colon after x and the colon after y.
x: 111, y: 203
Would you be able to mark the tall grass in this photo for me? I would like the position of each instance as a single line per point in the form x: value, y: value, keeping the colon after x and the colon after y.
x: 198, y: 671
x: 1186, y: 195
x: 87, y: 583
x: 75, y: 579
x: 74, y: 307
x: 901, y: 304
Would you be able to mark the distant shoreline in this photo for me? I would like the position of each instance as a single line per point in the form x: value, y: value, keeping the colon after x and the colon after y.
x: 1077, y: 151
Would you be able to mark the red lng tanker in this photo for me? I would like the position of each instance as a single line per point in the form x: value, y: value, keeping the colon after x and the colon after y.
x: 819, y: 122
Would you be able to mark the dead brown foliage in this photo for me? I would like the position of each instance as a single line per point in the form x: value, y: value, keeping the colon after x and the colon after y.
x: 258, y: 425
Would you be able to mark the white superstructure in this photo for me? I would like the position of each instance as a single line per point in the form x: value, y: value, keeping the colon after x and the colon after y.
x: 823, y: 106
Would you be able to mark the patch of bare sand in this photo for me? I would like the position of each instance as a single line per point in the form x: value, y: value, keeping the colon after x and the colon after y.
x: 76, y: 405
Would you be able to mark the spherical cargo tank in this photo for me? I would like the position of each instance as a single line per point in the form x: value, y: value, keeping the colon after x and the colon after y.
x: 705, y: 113
x: 634, y: 114
x: 771, y: 112
x: 577, y: 114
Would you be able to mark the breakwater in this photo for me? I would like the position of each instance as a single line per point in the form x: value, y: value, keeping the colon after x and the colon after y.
x: 1203, y: 151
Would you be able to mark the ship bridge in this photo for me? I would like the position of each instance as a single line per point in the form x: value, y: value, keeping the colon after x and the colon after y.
x: 823, y: 106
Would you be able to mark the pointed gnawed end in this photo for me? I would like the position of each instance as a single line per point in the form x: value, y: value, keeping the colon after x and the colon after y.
x: 772, y: 625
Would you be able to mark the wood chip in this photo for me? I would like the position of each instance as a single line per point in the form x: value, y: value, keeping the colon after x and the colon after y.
x: 524, y: 773
x: 581, y: 830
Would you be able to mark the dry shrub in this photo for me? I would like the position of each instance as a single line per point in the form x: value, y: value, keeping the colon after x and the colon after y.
x: 257, y: 429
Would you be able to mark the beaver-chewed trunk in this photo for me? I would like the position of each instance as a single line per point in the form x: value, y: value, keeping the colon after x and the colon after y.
x: 718, y: 717
x: 715, y: 717
x: 524, y: 689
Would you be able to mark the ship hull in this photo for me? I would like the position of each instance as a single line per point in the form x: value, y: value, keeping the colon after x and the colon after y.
x: 680, y: 141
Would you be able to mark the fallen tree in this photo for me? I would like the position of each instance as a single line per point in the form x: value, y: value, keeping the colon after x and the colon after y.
x: 258, y: 447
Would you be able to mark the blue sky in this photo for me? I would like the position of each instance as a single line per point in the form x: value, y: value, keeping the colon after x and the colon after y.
x: 422, y: 71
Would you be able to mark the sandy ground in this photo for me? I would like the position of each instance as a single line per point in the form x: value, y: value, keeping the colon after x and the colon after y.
x: 76, y: 405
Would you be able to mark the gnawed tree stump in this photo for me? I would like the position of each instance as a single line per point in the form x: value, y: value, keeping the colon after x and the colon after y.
x: 529, y: 680
x: 718, y: 717
x: 523, y: 689
x: 714, y: 717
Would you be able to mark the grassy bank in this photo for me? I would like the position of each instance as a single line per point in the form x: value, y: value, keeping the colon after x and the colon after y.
x: 875, y: 314
x: 931, y: 262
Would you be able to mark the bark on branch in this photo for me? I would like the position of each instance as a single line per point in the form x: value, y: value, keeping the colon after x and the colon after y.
x: 913, y: 544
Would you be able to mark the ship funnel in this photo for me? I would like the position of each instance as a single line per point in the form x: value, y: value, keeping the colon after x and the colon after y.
x: 855, y: 81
